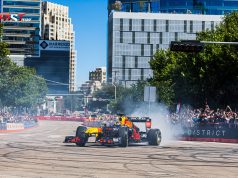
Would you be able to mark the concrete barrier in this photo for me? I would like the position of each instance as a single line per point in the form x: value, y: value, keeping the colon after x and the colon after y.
x: 15, y: 127
x: 226, y: 133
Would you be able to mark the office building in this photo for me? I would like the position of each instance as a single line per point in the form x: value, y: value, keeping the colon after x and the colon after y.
x: 209, y: 7
x: 133, y: 39
x: 56, y: 25
x: 21, y: 30
x: 89, y: 87
x: 98, y: 75
x: 53, y: 65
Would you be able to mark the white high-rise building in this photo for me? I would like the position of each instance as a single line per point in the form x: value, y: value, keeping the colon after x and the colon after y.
x: 56, y: 25
x: 133, y: 39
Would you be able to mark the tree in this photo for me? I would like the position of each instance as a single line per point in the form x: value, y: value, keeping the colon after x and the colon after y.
x: 163, y: 64
x: 211, y: 75
x: 74, y: 103
x: 19, y: 86
x: 104, y: 96
x: 4, y: 52
x: 127, y: 100
x: 117, y: 5
x: 106, y: 92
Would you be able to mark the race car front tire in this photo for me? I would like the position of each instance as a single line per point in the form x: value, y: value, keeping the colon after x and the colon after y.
x: 123, y: 136
x: 154, y: 137
x: 80, y: 132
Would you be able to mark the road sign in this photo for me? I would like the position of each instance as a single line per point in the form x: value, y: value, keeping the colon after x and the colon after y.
x: 150, y: 94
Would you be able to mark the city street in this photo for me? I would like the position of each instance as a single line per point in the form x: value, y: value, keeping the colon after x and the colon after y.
x: 40, y: 153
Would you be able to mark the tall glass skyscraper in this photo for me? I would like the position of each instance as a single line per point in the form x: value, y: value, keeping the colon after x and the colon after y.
x: 209, y: 7
x: 22, y: 36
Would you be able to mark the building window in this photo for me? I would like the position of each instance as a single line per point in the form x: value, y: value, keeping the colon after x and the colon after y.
x: 121, y: 37
x: 121, y: 24
x: 142, y: 25
x: 123, y: 74
x: 142, y: 49
x: 151, y: 50
x: 155, y: 24
x: 157, y: 46
x: 185, y: 26
x: 203, y: 25
x: 212, y: 25
x: 148, y: 38
x: 130, y: 25
x: 133, y: 37
x: 167, y: 26
x: 142, y: 74
x: 191, y: 26
x: 161, y: 38
x: 124, y: 62
x: 176, y: 36
x: 136, y: 62
x: 129, y: 74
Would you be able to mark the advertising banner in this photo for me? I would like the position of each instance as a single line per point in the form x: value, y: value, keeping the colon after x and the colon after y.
x: 15, y: 126
x: 214, y: 133
x: 8, y: 17
x: 53, y: 45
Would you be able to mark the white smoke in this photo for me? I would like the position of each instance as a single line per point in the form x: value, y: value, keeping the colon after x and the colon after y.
x: 159, y: 115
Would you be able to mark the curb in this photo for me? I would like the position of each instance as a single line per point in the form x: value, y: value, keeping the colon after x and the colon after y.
x: 217, y: 140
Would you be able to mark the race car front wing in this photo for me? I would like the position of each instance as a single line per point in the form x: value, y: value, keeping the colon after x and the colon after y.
x: 72, y: 139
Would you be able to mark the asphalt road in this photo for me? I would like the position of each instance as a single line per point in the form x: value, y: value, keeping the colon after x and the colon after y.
x: 40, y: 153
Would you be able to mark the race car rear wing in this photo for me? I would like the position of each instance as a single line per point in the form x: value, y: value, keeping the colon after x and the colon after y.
x: 139, y: 119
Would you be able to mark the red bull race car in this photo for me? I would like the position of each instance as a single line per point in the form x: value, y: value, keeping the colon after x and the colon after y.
x: 121, y: 133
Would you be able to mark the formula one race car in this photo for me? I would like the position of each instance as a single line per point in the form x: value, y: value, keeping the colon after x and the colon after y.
x: 121, y: 133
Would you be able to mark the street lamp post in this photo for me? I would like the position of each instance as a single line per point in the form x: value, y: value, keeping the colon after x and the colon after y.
x: 115, y: 87
x: 115, y: 91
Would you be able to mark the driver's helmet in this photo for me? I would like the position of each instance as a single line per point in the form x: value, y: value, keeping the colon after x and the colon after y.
x: 122, y: 120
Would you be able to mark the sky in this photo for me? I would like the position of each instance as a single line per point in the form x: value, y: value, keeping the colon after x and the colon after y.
x: 89, y: 18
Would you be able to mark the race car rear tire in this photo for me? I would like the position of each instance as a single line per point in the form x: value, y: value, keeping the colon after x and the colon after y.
x: 154, y: 137
x: 80, y: 132
x: 123, y: 135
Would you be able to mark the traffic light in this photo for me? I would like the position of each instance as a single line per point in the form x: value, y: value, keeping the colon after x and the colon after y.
x: 186, y: 46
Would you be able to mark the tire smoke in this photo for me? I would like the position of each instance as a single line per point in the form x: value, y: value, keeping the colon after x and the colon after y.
x: 159, y: 115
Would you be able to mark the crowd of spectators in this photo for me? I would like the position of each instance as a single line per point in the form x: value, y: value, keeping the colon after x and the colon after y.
x: 191, y: 117
x: 7, y: 117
